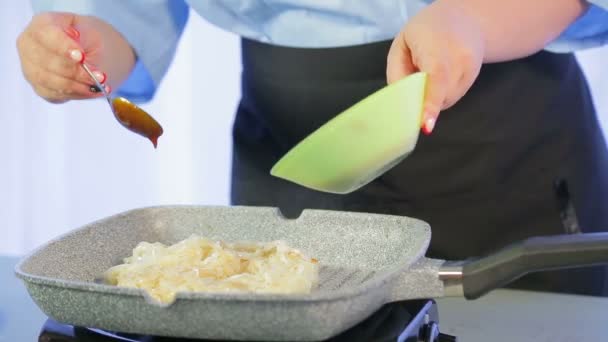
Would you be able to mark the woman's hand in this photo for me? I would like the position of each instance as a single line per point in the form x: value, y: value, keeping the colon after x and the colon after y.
x: 450, y: 39
x: 53, y: 46
x: 444, y: 42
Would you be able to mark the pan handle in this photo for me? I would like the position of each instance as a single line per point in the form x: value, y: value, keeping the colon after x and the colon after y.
x: 535, y: 254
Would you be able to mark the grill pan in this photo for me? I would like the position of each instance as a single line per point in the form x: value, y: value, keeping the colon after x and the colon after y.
x: 366, y: 260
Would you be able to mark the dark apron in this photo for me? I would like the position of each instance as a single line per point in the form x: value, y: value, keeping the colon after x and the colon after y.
x: 520, y: 155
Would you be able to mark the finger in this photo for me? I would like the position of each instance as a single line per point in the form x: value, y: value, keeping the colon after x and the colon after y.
x: 49, y: 95
x: 72, y: 32
x: 95, y: 88
x: 436, y: 90
x: 60, y: 65
x: 66, y: 87
x: 37, y: 54
x: 56, y: 97
x: 99, y: 75
x: 62, y: 54
x: 399, y: 61
x: 55, y: 37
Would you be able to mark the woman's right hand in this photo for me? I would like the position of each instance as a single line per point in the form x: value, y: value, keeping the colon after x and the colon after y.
x: 54, y: 44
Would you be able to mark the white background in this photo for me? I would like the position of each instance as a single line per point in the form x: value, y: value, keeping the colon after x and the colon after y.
x: 62, y: 166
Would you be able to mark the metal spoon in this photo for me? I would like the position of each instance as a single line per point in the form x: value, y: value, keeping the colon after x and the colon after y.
x: 129, y: 115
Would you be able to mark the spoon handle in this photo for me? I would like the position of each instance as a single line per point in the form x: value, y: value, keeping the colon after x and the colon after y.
x: 101, y: 87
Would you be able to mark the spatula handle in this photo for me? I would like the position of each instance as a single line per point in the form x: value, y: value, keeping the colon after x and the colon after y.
x: 532, y: 255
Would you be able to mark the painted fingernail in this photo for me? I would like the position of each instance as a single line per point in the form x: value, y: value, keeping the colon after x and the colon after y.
x: 108, y: 89
x: 77, y: 56
x: 429, y: 125
x: 72, y: 32
x: 100, y: 76
x: 94, y: 89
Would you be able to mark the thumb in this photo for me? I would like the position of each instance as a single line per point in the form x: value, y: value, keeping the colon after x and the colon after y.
x: 436, y: 92
x: 399, y: 61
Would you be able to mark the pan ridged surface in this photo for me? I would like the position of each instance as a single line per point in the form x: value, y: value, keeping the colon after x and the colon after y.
x: 361, y: 257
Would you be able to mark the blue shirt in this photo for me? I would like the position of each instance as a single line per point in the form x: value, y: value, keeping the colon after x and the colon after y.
x: 153, y: 27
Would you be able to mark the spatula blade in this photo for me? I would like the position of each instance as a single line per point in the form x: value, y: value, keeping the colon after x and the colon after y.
x: 361, y: 143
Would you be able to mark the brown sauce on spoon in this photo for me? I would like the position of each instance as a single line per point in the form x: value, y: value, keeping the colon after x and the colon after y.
x: 137, y: 120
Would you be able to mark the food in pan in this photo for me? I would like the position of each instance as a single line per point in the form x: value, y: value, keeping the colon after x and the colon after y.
x: 200, y: 264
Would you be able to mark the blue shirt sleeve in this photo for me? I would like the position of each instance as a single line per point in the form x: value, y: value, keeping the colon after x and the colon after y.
x: 152, y: 27
x: 589, y: 31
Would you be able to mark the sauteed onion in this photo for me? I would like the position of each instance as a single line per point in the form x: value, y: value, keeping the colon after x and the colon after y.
x: 201, y: 264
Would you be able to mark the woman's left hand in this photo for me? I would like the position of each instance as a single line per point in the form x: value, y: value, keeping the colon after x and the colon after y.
x: 448, y: 45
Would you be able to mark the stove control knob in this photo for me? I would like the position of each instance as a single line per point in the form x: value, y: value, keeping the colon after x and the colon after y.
x: 446, y: 338
x: 430, y: 333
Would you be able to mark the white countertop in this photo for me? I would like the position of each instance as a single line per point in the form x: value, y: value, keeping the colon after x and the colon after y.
x: 509, y: 315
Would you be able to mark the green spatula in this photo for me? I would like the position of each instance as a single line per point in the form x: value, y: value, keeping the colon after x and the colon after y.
x: 361, y: 143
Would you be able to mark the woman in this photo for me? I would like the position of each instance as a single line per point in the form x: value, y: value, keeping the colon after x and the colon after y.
x: 517, y: 151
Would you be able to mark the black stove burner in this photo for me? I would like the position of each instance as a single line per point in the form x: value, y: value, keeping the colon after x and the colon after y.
x: 410, y: 321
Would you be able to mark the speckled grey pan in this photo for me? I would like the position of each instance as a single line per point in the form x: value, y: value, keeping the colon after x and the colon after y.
x: 366, y: 261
